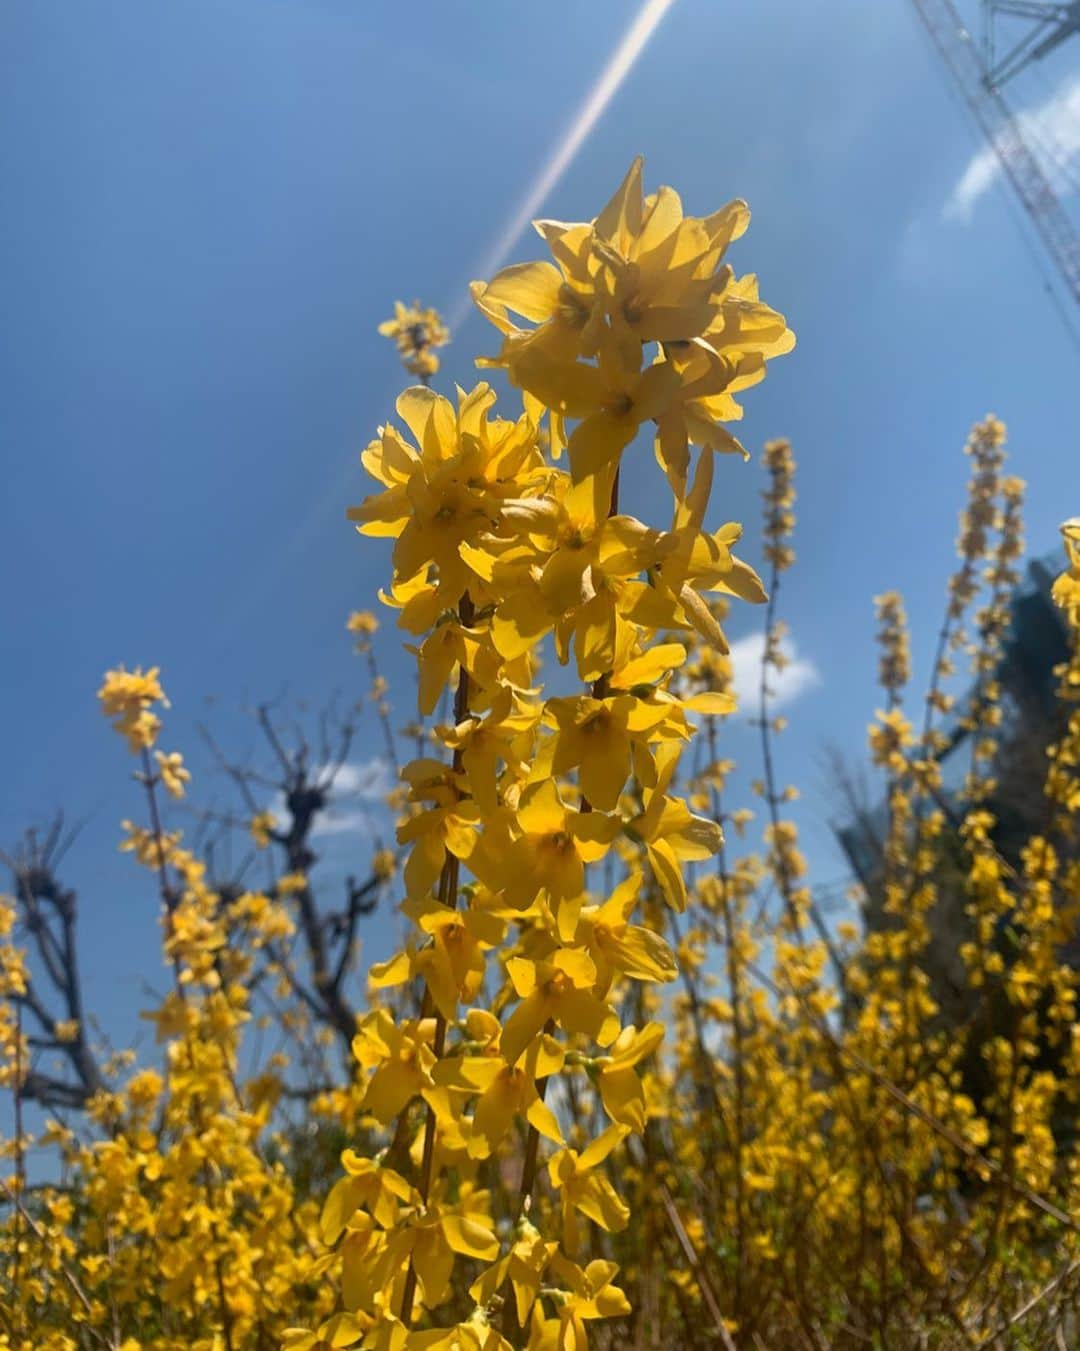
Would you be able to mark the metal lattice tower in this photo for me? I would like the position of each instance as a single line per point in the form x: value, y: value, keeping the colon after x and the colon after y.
x: 979, y: 79
x: 1047, y: 27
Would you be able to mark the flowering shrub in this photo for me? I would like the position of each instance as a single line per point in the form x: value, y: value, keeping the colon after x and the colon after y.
x: 622, y: 1084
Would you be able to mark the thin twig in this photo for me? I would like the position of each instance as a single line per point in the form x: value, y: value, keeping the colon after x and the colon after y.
x: 1036, y: 1299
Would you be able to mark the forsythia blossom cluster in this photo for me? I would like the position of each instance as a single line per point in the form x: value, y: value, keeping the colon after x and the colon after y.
x: 128, y: 698
x: 416, y: 331
x: 529, y: 957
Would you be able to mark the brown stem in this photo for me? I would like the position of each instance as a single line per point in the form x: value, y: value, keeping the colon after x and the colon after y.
x: 448, y: 894
x: 529, y: 1164
x: 20, y: 1154
x: 738, y: 1050
x: 169, y: 900
x: 689, y: 1252
x: 531, y: 1158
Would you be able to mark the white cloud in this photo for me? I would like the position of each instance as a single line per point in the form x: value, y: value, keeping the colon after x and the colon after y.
x: 799, y: 675
x: 977, y: 179
x: 353, y: 802
x: 337, y: 820
x: 1052, y: 130
x: 370, y: 780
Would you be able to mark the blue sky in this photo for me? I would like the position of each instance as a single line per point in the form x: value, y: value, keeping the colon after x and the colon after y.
x: 210, y: 206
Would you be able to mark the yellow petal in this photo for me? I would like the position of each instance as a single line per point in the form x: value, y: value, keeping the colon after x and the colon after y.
x: 598, y: 442
x: 525, y: 1023
x: 603, y: 1205
x: 395, y: 971
x: 520, y: 622
x: 620, y: 220
x: 642, y: 954
x: 541, y: 811
x: 340, y: 1206
x: 544, y: 1120
x: 529, y: 289
x: 497, y: 1106
x: 578, y: 965
x: 468, y: 1237
x: 668, y: 873
x: 623, y: 1098
x: 604, y: 771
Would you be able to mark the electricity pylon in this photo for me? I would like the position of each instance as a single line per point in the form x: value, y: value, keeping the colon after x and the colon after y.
x: 1046, y: 28
x: 979, y: 77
